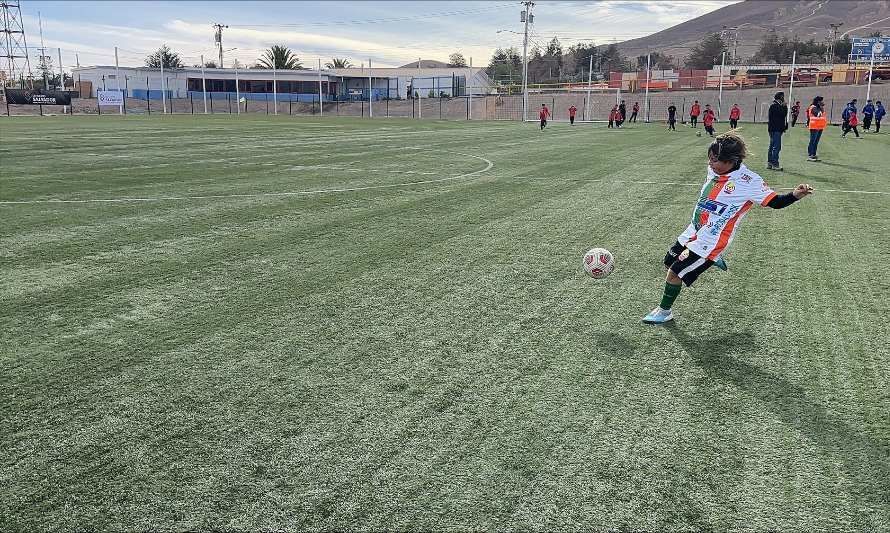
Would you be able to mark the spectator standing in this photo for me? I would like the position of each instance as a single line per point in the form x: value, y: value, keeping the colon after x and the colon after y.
x: 816, y: 124
x: 879, y: 114
x: 776, y: 126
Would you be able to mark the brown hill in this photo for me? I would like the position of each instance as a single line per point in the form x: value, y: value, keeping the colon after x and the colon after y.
x: 802, y: 18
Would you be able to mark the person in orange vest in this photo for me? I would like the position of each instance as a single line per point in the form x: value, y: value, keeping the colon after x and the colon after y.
x: 694, y: 113
x: 734, y: 115
x: 544, y: 115
x: 708, y: 120
x: 572, y: 111
x: 816, y: 122
x: 795, y: 112
x: 615, y: 117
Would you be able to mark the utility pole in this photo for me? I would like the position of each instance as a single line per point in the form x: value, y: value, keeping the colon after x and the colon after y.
x: 217, y: 38
x: 526, y: 17
x: 833, y: 32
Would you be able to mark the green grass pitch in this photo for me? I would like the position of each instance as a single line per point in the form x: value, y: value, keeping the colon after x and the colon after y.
x: 355, y: 324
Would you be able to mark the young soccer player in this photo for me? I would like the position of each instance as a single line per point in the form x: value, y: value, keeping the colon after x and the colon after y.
x: 868, y: 113
x: 795, y: 112
x: 729, y: 192
x: 708, y: 120
x: 615, y: 117
x: 544, y: 115
x: 879, y: 115
x: 622, y: 113
x: 852, y: 122
x: 694, y: 112
x: 734, y: 115
x: 672, y: 117
x: 572, y: 111
x: 634, y: 111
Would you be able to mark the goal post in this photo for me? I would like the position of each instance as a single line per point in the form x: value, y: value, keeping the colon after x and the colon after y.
x: 593, y: 104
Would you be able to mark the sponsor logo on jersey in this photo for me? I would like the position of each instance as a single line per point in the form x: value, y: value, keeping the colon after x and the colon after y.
x: 730, y: 187
x: 717, y: 225
x: 712, y: 206
x: 746, y: 178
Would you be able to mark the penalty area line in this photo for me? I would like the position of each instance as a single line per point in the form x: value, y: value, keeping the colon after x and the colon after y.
x: 488, y: 166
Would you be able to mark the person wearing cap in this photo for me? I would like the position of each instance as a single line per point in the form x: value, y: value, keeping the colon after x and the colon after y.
x: 776, y: 126
x: 816, y: 125
x: 879, y: 115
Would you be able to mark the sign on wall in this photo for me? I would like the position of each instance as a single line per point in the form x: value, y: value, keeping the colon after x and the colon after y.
x: 37, y: 97
x: 115, y: 98
x: 864, y: 46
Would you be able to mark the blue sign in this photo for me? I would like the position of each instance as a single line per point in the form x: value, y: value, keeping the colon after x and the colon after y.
x: 864, y: 46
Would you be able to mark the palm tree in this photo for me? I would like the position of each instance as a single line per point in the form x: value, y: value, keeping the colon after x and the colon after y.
x: 280, y: 57
x: 337, y: 62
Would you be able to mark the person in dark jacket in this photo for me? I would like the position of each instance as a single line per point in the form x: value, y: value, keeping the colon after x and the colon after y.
x: 672, y: 117
x: 868, y: 113
x: 776, y: 126
x: 622, y: 109
x: 879, y: 115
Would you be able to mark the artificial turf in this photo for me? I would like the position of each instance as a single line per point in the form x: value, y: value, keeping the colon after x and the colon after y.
x: 384, y: 324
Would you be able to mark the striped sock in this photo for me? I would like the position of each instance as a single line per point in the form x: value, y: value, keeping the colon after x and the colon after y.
x: 670, y: 294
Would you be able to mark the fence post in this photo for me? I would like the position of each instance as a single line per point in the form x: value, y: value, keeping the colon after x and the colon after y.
x: 290, y: 107
x: 192, y: 102
x: 363, y: 107
x: 831, y: 112
x: 229, y: 102
x: 468, y: 108
x: 148, y: 95
x: 267, y: 103
x: 211, y: 103
x: 387, y: 100
x: 440, y: 107
x: 755, y: 110
x: 683, y: 112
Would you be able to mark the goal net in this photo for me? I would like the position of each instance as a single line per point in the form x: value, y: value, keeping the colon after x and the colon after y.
x: 592, y: 105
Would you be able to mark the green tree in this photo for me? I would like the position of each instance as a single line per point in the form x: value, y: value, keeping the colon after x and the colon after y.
x: 337, y: 62
x: 505, y: 65
x: 657, y: 61
x: 707, y: 53
x: 164, y: 56
x: 457, y: 60
x: 279, y: 57
x: 611, y: 60
x: 842, y: 49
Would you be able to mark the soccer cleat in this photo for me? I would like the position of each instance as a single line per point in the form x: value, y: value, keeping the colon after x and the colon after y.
x: 658, y: 316
x: 721, y: 264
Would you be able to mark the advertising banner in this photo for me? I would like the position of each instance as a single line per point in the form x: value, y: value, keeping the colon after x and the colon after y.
x: 115, y: 98
x: 37, y: 97
x: 864, y: 46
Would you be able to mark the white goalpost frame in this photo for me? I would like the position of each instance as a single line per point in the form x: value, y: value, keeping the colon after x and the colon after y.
x: 549, y: 94
x: 370, y: 89
x: 204, y: 83
x: 648, y: 81
x: 791, y: 87
x: 275, y: 88
x: 320, y: 100
x: 237, y: 90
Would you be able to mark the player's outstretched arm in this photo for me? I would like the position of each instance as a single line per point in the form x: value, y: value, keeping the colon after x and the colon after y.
x: 784, y: 200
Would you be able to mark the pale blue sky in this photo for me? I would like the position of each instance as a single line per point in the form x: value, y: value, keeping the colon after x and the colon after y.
x: 389, y: 33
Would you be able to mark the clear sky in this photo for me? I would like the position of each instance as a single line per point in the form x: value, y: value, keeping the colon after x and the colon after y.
x: 387, y: 33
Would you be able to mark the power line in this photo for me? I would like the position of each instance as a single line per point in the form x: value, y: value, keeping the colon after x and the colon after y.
x: 376, y: 21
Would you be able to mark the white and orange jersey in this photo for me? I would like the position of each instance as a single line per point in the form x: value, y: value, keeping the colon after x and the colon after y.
x: 722, y: 205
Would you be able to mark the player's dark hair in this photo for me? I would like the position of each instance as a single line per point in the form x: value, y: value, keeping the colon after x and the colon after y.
x: 729, y: 147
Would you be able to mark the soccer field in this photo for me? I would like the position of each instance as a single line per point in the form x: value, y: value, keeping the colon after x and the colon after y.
x: 245, y: 323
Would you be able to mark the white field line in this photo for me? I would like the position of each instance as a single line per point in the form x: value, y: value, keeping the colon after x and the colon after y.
x: 488, y: 166
x: 684, y: 183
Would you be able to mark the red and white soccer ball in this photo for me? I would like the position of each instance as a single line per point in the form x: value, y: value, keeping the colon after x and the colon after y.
x: 599, y: 263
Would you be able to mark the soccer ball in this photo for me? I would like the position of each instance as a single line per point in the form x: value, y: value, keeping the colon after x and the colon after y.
x: 599, y: 263
x: 698, y: 134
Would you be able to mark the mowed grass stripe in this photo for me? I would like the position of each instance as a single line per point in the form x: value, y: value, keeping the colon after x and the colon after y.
x: 436, y: 359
